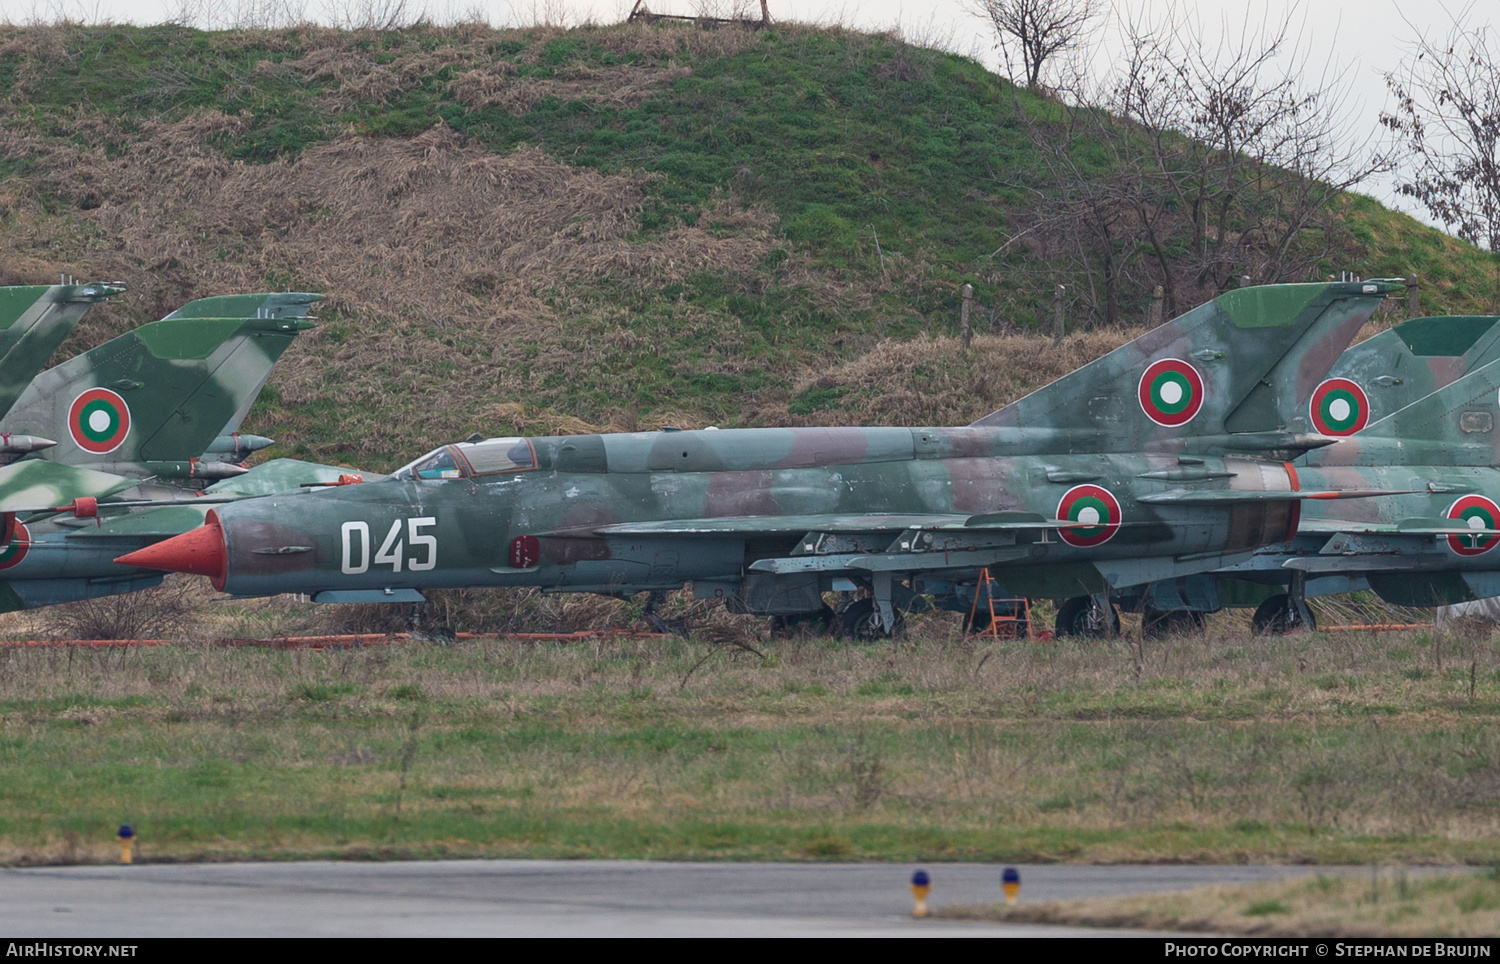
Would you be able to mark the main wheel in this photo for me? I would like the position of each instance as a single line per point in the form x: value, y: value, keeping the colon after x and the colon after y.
x: 1278, y: 617
x: 857, y: 622
x: 1081, y: 616
x: 1156, y: 623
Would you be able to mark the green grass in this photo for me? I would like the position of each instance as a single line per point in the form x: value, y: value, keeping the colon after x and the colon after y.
x: 1046, y: 752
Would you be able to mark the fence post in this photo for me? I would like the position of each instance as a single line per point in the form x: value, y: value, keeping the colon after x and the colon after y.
x: 1057, y: 315
x: 1156, y: 296
x: 1413, y: 300
x: 964, y: 333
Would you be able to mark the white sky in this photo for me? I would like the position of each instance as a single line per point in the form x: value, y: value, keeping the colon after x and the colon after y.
x: 1363, y: 37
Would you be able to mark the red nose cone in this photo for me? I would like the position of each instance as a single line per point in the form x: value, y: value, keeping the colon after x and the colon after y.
x: 199, y: 551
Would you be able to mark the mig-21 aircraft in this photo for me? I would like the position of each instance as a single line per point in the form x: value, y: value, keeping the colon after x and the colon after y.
x: 1161, y: 459
x: 134, y: 416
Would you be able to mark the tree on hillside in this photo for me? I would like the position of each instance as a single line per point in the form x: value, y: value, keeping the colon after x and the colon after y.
x: 1447, y: 117
x: 1195, y: 166
x: 1037, y: 30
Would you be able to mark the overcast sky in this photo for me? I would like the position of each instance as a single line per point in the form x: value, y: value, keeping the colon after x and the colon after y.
x: 1365, y: 38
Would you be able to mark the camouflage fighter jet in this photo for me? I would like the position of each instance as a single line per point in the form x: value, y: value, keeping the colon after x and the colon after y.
x: 1371, y: 380
x: 133, y: 413
x: 34, y: 321
x: 139, y: 404
x: 770, y: 519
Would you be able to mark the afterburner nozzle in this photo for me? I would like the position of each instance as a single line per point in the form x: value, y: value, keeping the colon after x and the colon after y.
x: 199, y: 551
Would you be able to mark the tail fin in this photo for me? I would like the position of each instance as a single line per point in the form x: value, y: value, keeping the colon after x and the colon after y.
x: 276, y: 304
x: 34, y: 321
x: 160, y: 394
x: 1406, y: 363
x: 1245, y: 363
x: 1458, y: 424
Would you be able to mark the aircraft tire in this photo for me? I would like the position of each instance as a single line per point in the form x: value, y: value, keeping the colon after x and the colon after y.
x: 857, y: 623
x: 1157, y: 623
x: 1080, y: 617
x: 1277, y: 617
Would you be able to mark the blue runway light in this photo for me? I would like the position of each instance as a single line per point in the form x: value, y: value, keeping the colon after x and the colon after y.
x: 1010, y: 883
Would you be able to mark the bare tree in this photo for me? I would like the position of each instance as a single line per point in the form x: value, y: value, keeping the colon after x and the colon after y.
x: 1037, y: 30
x: 1194, y: 165
x: 1447, y: 117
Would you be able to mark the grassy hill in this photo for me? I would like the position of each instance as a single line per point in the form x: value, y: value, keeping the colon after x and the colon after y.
x: 546, y: 230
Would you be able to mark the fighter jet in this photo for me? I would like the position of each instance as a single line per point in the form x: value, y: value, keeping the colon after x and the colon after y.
x: 1372, y: 380
x: 132, y: 413
x: 34, y: 321
x: 1090, y: 483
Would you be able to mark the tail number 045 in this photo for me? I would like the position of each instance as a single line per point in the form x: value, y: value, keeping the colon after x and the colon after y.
x: 392, y: 551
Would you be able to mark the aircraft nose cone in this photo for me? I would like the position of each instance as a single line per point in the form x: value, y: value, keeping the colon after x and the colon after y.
x: 199, y: 551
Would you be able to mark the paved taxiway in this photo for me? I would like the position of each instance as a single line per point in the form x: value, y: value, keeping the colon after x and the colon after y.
x: 545, y: 897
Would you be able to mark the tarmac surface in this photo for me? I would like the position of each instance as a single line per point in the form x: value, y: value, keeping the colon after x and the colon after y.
x: 520, y: 898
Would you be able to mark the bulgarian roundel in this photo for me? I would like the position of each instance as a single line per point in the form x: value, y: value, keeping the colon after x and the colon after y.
x: 99, y: 420
x: 1094, y: 506
x: 20, y: 544
x: 1339, y: 407
x: 1477, y: 512
x: 1171, y: 392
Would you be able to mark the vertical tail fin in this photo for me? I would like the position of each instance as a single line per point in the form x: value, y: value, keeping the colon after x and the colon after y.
x: 159, y: 394
x: 1397, y: 367
x: 1246, y: 362
x: 1458, y: 424
x: 34, y: 321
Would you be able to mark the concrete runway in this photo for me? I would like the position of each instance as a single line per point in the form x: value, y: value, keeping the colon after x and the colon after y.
x: 518, y: 898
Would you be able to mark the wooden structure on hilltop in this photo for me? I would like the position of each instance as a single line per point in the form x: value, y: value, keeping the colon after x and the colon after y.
x: 639, y: 14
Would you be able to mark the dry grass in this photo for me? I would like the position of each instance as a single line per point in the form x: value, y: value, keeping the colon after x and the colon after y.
x: 933, y: 381
x: 1381, y: 902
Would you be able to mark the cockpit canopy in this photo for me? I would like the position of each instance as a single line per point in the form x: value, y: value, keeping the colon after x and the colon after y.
x: 466, y: 460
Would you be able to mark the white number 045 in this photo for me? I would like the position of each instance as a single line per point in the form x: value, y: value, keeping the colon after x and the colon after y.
x: 356, y: 538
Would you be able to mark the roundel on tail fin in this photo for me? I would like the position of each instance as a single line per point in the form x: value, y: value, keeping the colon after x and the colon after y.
x: 98, y: 421
x: 1339, y: 407
x: 1170, y: 392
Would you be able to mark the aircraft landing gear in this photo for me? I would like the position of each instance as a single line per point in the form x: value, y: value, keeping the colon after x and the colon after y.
x: 1088, y: 616
x: 860, y: 622
x: 1277, y: 616
x: 1287, y: 613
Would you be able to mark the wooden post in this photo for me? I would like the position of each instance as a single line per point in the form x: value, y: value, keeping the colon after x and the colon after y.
x: 964, y: 334
x: 1057, y: 315
x: 1413, y: 299
x: 1156, y: 297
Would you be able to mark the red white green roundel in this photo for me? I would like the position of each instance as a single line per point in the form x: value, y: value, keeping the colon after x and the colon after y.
x: 1171, y: 392
x: 1093, y: 505
x: 1339, y: 407
x: 99, y: 420
x: 20, y: 544
x: 1478, y: 513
